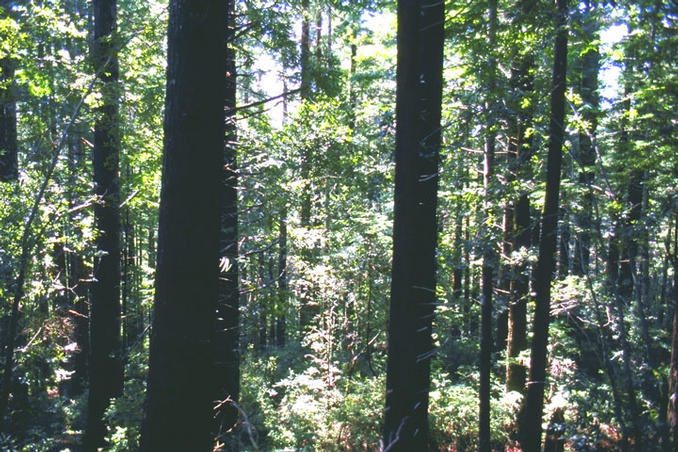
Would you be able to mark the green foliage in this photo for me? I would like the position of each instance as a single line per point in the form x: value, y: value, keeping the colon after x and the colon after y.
x: 125, y: 414
x: 308, y: 411
x: 454, y: 412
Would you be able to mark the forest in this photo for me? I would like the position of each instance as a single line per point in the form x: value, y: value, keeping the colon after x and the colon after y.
x: 339, y: 225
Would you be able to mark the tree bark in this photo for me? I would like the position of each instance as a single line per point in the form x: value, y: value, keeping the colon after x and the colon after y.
x: 672, y: 406
x: 9, y: 166
x: 418, y: 112
x: 281, y: 320
x: 305, y: 93
x: 517, y: 214
x: 106, y: 379
x: 517, y: 337
x: 489, y: 253
x: 226, y: 338
x: 564, y: 242
x: 590, y: 62
x: 531, y: 415
x: 179, y: 399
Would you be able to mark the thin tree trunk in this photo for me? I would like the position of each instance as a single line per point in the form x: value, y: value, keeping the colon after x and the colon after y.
x: 8, y: 134
x: 517, y: 214
x: 590, y: 61
x: 469, y: 325
x: 78, y: 290
x: 418, y: 112
x: 179, y: 401
x: 489, y: 253
x: 672, y: 406
x: 305, y: 51
x: 531, y: 415
x: 564, y: 241
x: 282, y: 282
x: 305, y: 93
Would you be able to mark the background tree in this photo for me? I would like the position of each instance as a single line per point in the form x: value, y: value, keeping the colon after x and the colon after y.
x: 105, y: 368
x: 8, y: 139
x: 532, y: 412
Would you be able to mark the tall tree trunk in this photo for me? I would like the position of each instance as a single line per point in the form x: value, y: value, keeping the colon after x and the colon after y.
x: 517, y: 214
x: 418, y: 112
x: 305, y: 93
x: 78, y: 290
x: 282, y: 282
x: 489, y: 253
x: 226, y: 338
x: 179, y: 398
x: 105, y: 368
x: 77, y: 277
x: 531, y: 414
x: 628, y: 243
x: 8, y: 135
x: 672, y: 407
x: 517, y: 337
x: 620, y: 304
x: 469, y: 320
x: 590, y: 63
x: 305, y: 51
x: 564, y: 242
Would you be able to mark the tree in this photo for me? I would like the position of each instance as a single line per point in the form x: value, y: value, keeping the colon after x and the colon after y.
x: 530, y: 422
x: 413, y: 297
x: 105, y: 369
x: 489, y: 253
x: 672, y: 405
x: 8, y: 136
x: 226, y: 340
x: 179, y: 397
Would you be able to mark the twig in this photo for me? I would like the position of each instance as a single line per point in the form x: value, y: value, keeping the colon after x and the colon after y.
x: 130, y: 197
x: 246, y: 420
x: 265, y: 101
x: 25, y: 347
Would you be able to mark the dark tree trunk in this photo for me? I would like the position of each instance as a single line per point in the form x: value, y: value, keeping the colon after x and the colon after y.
x: 77, y: 278
x: 531, y: 414
x: 305, y: 51
x: 458, y: 273
x: 564, y: 241
x: 226, y: 339
x: 80, y: 315
x: 590, y: 61
x: 517, y: 338
x: 179, y: 398
x: 504, y: 280
x: 469, y: 326
x: 628, y: 241
x: 105, y: 368
x: 305, y: 93
x: 281, y: 319
x: 489, y: 253
x: 418, y: 100
x: 8, y: 136
x: 517, y: 216
x: 672, y: 408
